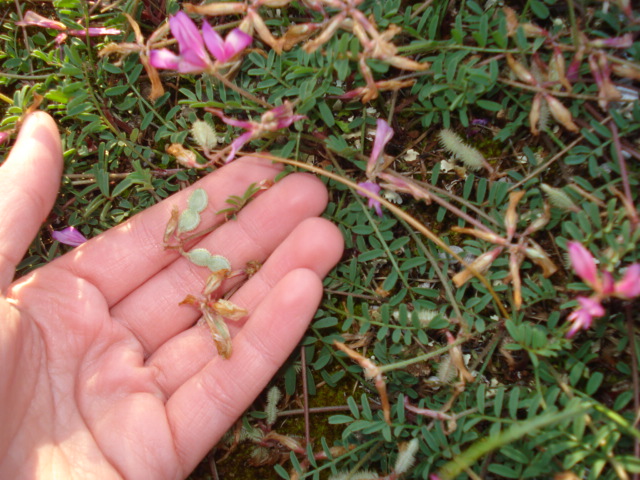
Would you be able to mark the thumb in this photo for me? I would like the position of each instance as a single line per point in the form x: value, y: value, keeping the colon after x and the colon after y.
x: 29, y: 182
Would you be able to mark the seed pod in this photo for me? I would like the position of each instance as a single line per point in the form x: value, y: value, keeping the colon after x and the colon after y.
x: 560, y: 113
x: 480, y: 264
x: 520, y: 70
x: 511, y: 217
x: 172, y: 224
x: 534, y: 114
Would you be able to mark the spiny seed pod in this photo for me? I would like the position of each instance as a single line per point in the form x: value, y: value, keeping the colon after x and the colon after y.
x: 406, y: 456
x: 453, y: 143
x: 204, y: 135
x: 559, y: 198
x: 273, y: 397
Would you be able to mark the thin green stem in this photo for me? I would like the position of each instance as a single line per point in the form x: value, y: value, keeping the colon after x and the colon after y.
x: 420, y: 358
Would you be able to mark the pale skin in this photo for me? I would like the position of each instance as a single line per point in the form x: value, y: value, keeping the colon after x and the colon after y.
x: 104, y: 375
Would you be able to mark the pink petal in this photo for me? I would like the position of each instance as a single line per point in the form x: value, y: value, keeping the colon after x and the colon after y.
x: 236, y: 41
x: 384, y: 133
x: 582, y: 318
x: 225, y: 50
x: 584, y: 264
x: 69, y: 236
x: 4, y: 136
x: 214, y: 42
x: 192, y: 51
x: 592, y: 306
x: 607, y: 283
x: 164, y: 59
x: 232, y: 121
x: 375, y: 189
x: 629, y: 286
x: 237, y: 144
x: 32, y: 19
x: 98, y: 31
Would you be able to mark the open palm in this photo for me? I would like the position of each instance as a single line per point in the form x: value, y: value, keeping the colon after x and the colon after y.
x: 105, y: 375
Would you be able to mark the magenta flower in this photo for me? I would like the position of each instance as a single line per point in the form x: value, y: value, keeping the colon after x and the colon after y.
x: 279, y: 117
x: 375, y: 189
x: 582, y: 318
x: 193, y: 56
x: 69, y: 236
x: 32, y: 19
x: 584, y: 265
x: 384, y: 133
x: 629, y: 286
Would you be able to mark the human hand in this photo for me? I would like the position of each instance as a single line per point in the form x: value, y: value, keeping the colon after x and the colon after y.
x: 104, y: 374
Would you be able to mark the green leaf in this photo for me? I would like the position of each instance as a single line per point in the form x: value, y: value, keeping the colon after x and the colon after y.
x: 200, y: 257
x: 594, y: 383
x: 198, y: 200
x: 326, y: 114
x: 217, y: 263
x: 539, y: 8
x: 189, y: 220
x: 339, y: 419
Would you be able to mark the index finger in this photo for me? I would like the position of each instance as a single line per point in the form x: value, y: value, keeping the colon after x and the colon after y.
x: 29, y: 181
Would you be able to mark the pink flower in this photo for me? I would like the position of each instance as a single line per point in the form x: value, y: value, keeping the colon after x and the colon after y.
x: 32, y: 19
x: 384, y: 133
x: 375, y: 189
x: 193, y: 56
x: 279, y: 117
x: 629, y: 286
x: 4, y: 136
x: 582, y: 318
x: 69, y: 236
x: 584, y: 265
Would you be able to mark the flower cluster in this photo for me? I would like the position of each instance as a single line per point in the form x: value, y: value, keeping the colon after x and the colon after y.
x: 375, y: 44
x: 547, y: 78
x: 603, y: 286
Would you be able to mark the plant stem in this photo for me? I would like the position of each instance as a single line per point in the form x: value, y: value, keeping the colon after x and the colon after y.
x: 239, y: 90
x: 305, y: 396
x: 399, y: 213
x: 634, y: 378
x: 420, y: 358
x: 633, y: 213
